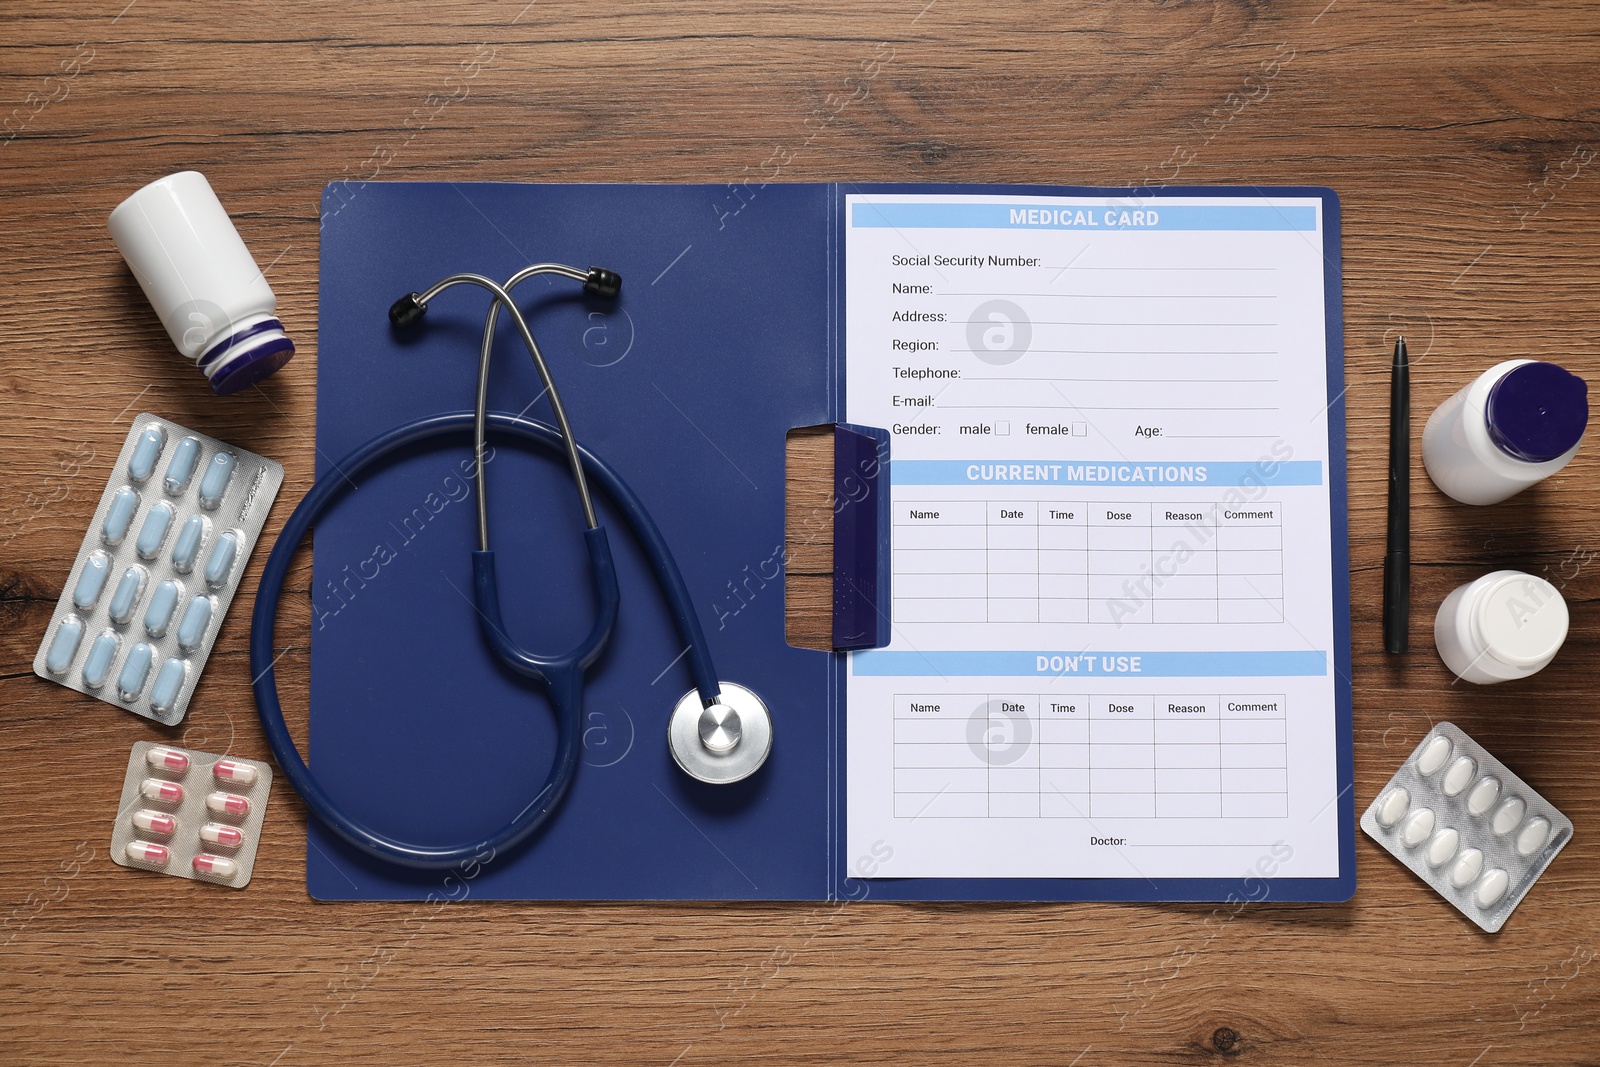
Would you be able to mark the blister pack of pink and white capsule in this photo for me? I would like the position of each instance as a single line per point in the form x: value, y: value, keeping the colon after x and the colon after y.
x: 191, y: 814
x: 158, y: 568
x: 1466, y: 825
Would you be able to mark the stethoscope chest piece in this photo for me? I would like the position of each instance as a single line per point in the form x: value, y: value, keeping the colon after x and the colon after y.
x: 725, y: 742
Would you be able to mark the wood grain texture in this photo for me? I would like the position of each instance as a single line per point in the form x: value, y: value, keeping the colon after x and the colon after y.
x: 1462, y: 138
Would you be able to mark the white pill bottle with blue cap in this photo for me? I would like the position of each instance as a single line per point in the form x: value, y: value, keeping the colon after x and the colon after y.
x: 1517, y: 424
x: 200, y: 278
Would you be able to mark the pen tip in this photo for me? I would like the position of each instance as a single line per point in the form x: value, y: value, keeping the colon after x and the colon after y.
x: 1400, y: 347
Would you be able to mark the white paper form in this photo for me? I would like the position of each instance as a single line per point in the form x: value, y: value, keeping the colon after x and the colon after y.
x: 1113, y: 638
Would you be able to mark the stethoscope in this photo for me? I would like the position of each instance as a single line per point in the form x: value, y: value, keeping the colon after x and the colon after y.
x: 718, y: 733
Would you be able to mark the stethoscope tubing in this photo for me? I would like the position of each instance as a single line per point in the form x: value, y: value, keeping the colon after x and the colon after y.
x: 565, y: 690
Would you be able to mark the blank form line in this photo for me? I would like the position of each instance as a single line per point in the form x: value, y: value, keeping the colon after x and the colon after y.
x: 1082, y: 407
x: 1126, y: 296
x: 1118, y: 381
x: 1205, y: 269
x: 1103, y: 322
x: 1125, y: 352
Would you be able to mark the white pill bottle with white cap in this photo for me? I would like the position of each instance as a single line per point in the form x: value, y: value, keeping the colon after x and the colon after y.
x: 1504, y: 626
x: 201, y: 280
x: 1518, y: 423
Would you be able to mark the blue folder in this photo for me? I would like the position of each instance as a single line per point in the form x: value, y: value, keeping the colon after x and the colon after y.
x: 727, y: 335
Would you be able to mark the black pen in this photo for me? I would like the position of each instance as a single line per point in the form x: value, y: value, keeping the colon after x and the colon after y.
x: 1397, y: 557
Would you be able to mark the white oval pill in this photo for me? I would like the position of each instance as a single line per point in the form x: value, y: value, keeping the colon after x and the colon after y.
x: 1508, y: 815
x: 1459, y: 774
x: 215, y: 866
x: 162, y: 758
x: 228, y: 770
x: 1442, y: 847
x: 1418, y: 827
x: 1392, y: 806
x: 1433, y: 757
x: 1483, y: 795
x: 154, y: 822
x: 216, y: 833
x: 145, y: 852
x: 1533, y: 835
x: 1468, y: 866
x: 1492, y: 887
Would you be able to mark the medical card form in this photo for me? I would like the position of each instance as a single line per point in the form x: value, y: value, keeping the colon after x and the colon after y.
x: 1114, y: 621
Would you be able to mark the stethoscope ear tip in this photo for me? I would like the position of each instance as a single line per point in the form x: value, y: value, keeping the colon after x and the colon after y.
x: 602, y: 282
x: 407, y: 311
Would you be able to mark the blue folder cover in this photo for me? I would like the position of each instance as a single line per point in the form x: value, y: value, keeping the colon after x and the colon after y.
x: 726, y: 336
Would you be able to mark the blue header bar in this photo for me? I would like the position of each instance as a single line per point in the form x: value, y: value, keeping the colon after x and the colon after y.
x: 1197, y: 475
x: 1132, y: 214
x: 1278, y: 664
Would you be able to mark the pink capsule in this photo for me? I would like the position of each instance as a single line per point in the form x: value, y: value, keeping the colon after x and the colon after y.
x: 145, y: 852
x: 164, y: 792
x: 154, y: 822
x: 167, y: 759
x: 215, y: 866
x: 228, y: 804
x: 228, y: 770
x: 226, y: 836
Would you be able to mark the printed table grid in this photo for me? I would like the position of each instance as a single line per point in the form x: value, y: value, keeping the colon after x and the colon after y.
x: 1168, y: 756
x: 970, y: 561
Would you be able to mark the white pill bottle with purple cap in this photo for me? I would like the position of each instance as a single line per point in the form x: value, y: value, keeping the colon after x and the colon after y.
x: 1518, y: 423
x: 200, y: 278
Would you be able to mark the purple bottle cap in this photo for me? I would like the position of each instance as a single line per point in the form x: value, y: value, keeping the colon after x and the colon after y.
x: 246, y: 356
x: 1537, y: 412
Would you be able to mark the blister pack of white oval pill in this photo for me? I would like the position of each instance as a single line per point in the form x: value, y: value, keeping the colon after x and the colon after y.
x: 158, y: 568
x: 191, y: 814
x: 1467, y: 826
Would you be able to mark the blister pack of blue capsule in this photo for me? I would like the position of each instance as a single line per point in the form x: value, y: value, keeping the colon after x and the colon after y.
x: 158, y: 568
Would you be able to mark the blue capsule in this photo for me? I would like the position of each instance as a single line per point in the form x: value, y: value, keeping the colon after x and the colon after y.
x: 64, y: 645
x: 91, y: 580
x: 143, y: 461
x: 187, y: 548
x: 154, y: 531
x: 169, y: 682
x: 220, y: 565
x: 219, y: 472
x: 98, y: 664
x: 196, y: 618
x: 181, y: 467
x: 135, y: 671
x: 126, y: 598
x: 163, y: 602
x: 119, y: 516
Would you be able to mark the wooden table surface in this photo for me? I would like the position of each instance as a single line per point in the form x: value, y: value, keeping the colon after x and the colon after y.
x: 1462, y: 138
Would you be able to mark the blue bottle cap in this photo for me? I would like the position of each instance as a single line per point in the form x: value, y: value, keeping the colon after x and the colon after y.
x: 1537, y: 412
x: 246, y: 356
